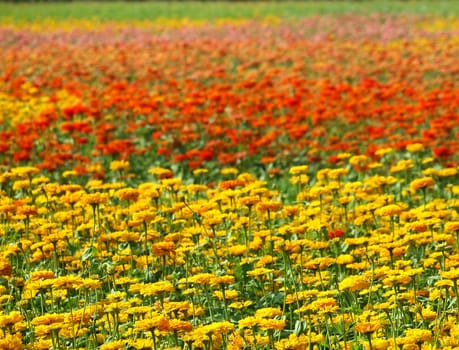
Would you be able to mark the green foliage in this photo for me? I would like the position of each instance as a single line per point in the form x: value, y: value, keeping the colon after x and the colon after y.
x: 26, y: 11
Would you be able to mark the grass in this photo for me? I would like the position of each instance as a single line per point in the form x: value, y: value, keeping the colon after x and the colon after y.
x: 214, y: 10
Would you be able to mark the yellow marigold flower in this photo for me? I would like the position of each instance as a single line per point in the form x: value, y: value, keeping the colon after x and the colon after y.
x: 291, y: 210
x: 73, y: 330
x: 271, y: 324
x: 249, y: 201
x: 378, y: 181
x: 268, y: 312
x: 114, y: 345
x: 126, y: 236
x: 368, y: 327
x: 21, y: 184
x: 452, y: 274
x: 180, y: 325
x: 344, y: 259
x: 380, y: 344
x: 354, y: 283
x: 229, y: 171
x: 316, y: 191
x: 146, y: 216
x: 222, y: 280
x: 447, y: 172
x: 298, y: 170
x: 383, y: 151
x: 227, y: 295
x: 427, y: 160
x: 422, y: 183
x: 299, y: 342
x: 200, y: 171
x: 237, y: 250
x: 141, y: 344
x: 259, y: 272
x: 248, y: 322
x: 428, y: 314
x: 40, y: 180
x: 173, y: 184
x: 452, y: 226
x: 11, y: 342
x: 48, y: 319
x: 344, y: 155
x: 322, y: 174
x: 402, y: 165
x: 202, y: 278
x: 24, y: 171
x: 119, y: 165
x: 90, y: 283
x: 307, y: 294
x: 455, y: 331
x: 300, y: 179
x: 249, y: 181
x: 161, y: 172
x: 415, y: 147
x: 163, y: 248
x: 335, y: 174
x: 69, y: 173
x: 375, y: 165
x: 385, y: 306
x: 240, y: 304
x: 173, y: 306
x: 10, y: 319
x: 45, y: 330
x: 128, y: 194
x: 41, y: 275
x: 269, y: 206
x: 221, y: 327
x: 42, y: 344
x: 5, y: 267
x: 325, y: 305
x: 96, y: 198
x: 418, y: 336
x: 389, y: 210
x: 322, y: 305
x: 147, y: 188
x: 159, y: 322
x: 213, y: 218
x: 359, y: 160
x: 195, y: 188
x: 401, y: 279
x: 157, y: 288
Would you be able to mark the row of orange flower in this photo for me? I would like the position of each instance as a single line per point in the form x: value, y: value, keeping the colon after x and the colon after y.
x: 306, y: 90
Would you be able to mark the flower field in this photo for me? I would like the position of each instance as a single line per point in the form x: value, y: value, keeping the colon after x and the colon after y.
x: 230, y: 184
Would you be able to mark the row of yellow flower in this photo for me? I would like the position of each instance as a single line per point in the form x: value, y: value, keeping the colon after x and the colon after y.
x: 334, y: 259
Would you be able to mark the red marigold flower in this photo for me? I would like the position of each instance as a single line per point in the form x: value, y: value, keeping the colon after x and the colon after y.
x: 335, y: 234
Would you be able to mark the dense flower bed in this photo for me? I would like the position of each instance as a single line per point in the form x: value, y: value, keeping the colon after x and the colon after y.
x: 247, y: 184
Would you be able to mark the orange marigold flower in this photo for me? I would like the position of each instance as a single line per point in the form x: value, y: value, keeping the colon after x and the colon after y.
x: 231, y: 184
